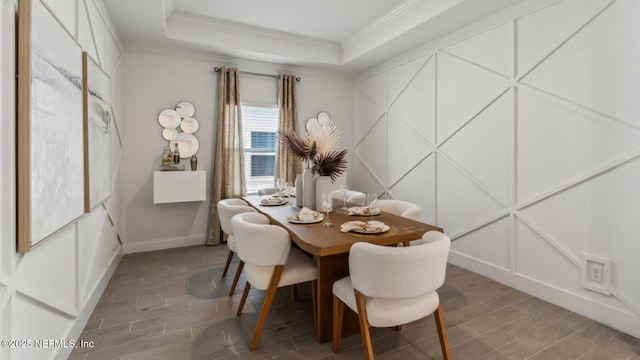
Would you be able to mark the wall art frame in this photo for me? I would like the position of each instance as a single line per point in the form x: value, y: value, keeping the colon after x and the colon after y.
x: 96, y: 114
x: 50, y: 145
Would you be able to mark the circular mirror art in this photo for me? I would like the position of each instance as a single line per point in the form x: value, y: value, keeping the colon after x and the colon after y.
x: 179, y: 126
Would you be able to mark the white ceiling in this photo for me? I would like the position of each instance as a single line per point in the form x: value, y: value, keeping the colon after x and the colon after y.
x: 349, y: 35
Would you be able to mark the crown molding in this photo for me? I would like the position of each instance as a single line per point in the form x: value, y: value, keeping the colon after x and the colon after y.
x: 397, y: 13
x: 249, y: 31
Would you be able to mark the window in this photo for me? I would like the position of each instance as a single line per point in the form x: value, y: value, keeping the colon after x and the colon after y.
x: 260, y: 124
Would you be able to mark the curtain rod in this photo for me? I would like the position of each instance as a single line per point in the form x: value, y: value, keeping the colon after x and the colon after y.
x: 217, y: 69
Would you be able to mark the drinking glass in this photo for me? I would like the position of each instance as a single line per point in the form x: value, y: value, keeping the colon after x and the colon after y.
x: 372, y: 202
x: 327, y: 205
x: 288, y: 192
x: 280, y: 184
x: 344, y: 192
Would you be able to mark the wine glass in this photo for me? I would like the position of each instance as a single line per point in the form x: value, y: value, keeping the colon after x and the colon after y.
x: 327, y: 205
x: 344, y: 192
x: 280, y: 183
x: 372, y: 201
x: 288, y: 192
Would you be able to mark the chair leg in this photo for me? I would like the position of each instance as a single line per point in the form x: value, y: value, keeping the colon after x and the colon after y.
x: 247, y: 287
x: 364, y: 325
x: 398, y: 328
x: 226, y: 266
x: 338, y: 313
x: 406, y: 243
x: 294, y: 292
x: 268, y: 299
x: 442, y: 333
x: 236, y: 277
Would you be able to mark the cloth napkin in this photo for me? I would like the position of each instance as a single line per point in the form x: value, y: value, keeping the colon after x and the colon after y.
x: 369, y: 226
x: 272, y: 201
x: 363, y: 210
x: 304, y: 211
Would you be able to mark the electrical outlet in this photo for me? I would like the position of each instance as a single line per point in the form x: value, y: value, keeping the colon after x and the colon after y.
x: 596, y: 274
x: 595, y: 271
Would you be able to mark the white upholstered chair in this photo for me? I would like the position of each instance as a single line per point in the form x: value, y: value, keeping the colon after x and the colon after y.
x: 268, y: 191
x: 401, y: 208
x: 270, y: 262
x: 227, y: 209
x: 355, y: 197
x: 392, y: 286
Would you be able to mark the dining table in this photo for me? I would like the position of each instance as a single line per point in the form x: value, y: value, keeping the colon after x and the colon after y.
x: 330, y: 248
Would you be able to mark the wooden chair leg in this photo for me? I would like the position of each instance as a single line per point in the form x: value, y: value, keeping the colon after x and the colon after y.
x: 442, y: 333
x: 364, y: 325
x: 226, y: 266
x: 338, y: 313
x: 236, y: 277
x: 406, y: 243
x: 294, y: 292
x: 247, y: 287
x: 399, y: 328
x: 268, y: 299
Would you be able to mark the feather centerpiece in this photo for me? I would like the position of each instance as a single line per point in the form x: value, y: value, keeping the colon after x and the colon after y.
x: 320, y: 149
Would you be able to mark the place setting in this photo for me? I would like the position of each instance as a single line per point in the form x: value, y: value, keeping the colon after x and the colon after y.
x: 274, y: 201
x: 365, y: 227
x: 306, y: 216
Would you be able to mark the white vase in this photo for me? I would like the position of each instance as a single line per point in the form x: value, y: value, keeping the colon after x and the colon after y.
x: 299, y: 191
x: 323, y: 185
x: 308, y: 189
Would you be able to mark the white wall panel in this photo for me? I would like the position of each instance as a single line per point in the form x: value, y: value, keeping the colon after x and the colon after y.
x: 113, y: 55
x: 489, y: 244
x: 49, y: 270
x: 85, y: 37
x: 99, y: 31
x: 545, y: 158
x: 375, y: 88
x: 91, y: 250
x: 528, y: 172
x: 406, y: 148
x: 492, y: 49
x: 536, y: 267
x: 372, y: 150
x: 540, y: 32
x: 362, y: 179
x: 366, y: 114
x: 416, y: 105
x: 419, y: 186
x: 490, y: 135
x: 462, y: 204
x: 401, y: 75
x: 65, y: 11
x: 598, y: 67
x: 462, y: 91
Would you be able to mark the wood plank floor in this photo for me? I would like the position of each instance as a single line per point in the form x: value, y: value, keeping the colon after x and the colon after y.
x: 173, y: 304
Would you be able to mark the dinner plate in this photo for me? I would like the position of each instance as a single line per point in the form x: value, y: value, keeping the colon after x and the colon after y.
x: 273, y: 202
x: 375, y: 211
x: 383, y: 228
x: 317, y: 219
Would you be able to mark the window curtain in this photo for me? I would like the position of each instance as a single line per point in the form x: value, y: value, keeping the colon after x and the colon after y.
x: 287, y: 165
x: 228, y: 165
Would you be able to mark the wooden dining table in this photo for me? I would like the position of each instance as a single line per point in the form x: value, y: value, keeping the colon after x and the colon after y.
x: 330, y: 248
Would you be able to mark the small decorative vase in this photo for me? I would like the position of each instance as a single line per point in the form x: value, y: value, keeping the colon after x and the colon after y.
x: 299, y: 192
x: 194, y: 163
x: 308, y: 189
x: 323, y: 185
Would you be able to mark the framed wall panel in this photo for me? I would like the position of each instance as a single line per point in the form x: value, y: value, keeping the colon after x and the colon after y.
x: 49, y: 126
x: 97, y: 125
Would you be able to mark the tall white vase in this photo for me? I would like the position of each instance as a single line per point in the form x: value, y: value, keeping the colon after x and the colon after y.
x: 323, y: 185
x: 299, y: 191
x: 308, y: 189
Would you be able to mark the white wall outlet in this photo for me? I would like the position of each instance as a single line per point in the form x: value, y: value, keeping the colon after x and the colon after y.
x: 596, y: 274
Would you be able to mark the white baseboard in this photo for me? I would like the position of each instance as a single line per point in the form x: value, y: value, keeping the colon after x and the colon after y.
x: 625, y: 321
x: 191, y: 240
x: 81, y: 321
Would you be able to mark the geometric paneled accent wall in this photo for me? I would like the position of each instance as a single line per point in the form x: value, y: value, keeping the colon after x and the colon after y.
x: 50, y: 292
x: 523, y: 142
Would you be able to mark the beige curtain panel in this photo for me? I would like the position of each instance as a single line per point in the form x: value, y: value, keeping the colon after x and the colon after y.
x: 228, y: 173
x: 287, y: 165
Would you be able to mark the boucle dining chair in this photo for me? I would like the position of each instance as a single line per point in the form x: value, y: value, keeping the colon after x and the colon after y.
x: 227, y: 209
x: 392, y: 286
x: 270, y: 263
x: 355, y: 197
x: 268, y: 191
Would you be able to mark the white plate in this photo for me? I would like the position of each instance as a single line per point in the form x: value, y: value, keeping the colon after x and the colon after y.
x: 375, y: 211
x: 384, y: 228
x: 316, y: 219
x: 274, y: 202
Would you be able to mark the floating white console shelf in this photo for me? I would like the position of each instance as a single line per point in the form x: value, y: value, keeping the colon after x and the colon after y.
x: 179, y: 186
